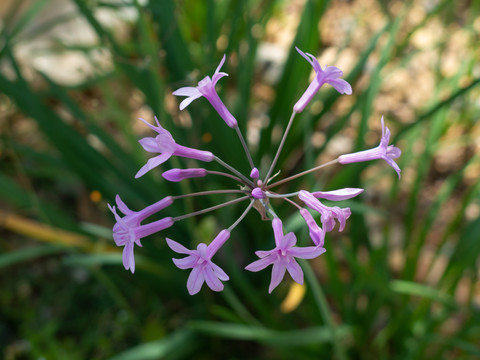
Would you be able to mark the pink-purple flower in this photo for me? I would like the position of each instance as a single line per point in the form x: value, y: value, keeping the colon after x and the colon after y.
x: 382, y: 151
x: 128, y: 230
x: 177, y: 175
x: 328, y: 214
x: 329, y: 74
x: 164, y: 144
x: 283, y: 256
x: 200, y: 261
x: 317, y: 234
x: 206, y: 88
x: 337, y: 195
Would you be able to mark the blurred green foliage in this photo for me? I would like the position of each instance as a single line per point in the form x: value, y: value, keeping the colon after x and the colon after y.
x: 63, y: 146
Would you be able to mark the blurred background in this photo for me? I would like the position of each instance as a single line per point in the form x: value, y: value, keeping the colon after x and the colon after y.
x: 400, y: 282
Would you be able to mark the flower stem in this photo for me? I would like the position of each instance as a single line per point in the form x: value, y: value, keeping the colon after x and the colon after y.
x: 293, y: 203
x: 282, y: 142
x: 322, y: 304
x: 225, y: 174
x: 301, y: 174
x: 242, y: 216
x: 231, y: 202
x: 235, y: 171
x: 247, y: 152
x: 281, y: 196
x: 210, y: 192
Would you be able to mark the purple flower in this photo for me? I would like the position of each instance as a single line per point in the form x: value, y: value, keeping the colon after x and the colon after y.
x: 328, y: 214
x: 127, y: 231
x: 206, y: 88
x: 337, y: 195
x: 164, y: 144
x: 382, y: 151
x: 203, y: 269
x: 177, y: 175
x: 283, y: 256
x: 317, y: 234
x: 329, y: 75
x: 258, y: 193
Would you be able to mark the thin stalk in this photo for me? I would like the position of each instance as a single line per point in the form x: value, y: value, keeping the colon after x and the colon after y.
x: 301, y: 174
x: 244, y: 144
x: 210, y: 192
x: 235, y: 171
x: 242, y: 216
x: 322, y: 304
x: 225, y: 174
x: 274, y: 162
x: 293, y: 203
x: 281, y: 196
x: 200, y: 212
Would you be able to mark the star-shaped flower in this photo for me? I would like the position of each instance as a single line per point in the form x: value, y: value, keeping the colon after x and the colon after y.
x: 382, y: 151
x: 164, y: 144
x: 206, y: 88
x: 128, y: 230
x: 329, y: 74
x: 283, y: 256
x: 200, y: 261
x: 328, y: 214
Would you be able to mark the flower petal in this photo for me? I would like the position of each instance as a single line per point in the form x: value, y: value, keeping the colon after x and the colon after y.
x: 332, y: 72
x: 295, y: 271
x: 394, y: 165
x: 188, y: 100
x: 304, y: 55
x: 179, y: 248
x: 277, y: 230
x: 264, y: 253
x: 278, y: 272
x: 219, y: 272
x: 217, y: 70
x: 288, y: 241
x: 212, y: 280
x: 341, y: 86
x: 337, y: 195
x: 186, y: 91
x: 195, y: 281
x: 186, y: 263
x: 217, y: 77
x: 152, y: 163
x: 150, y: 144
x: 260, y: 264
x: 121, y: 205
x: 128, y: 258
x: 308, y: 252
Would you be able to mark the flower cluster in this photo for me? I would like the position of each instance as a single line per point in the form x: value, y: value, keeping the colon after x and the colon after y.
x: 254, y: 190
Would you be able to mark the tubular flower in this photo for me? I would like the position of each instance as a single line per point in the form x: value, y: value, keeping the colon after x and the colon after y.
x: 382, y: 151
x: 317, y: 234
x: 177, y: 175
x: 200, y: 261
x: 206, y: 88
x: 328, y: 214
x: 283, y: 256
x: 128, y: 231
x: 164, y: 144
x: 329, y: 74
